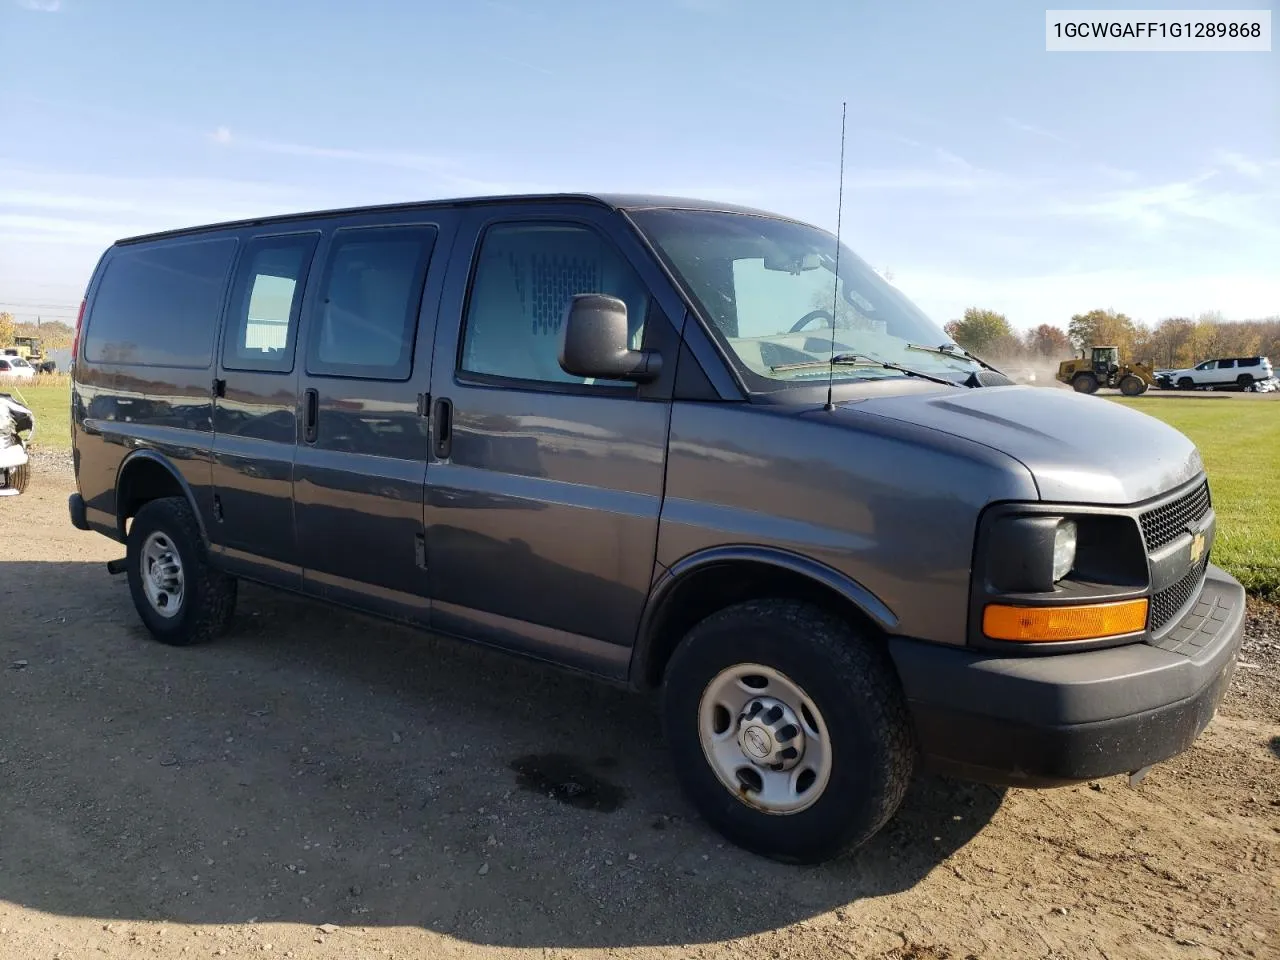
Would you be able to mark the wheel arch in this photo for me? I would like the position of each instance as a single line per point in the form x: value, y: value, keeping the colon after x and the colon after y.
x: 702, y: 583
x: 146, y: 475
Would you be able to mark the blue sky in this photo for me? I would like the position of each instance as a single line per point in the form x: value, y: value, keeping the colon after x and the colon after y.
x: 981, y: 170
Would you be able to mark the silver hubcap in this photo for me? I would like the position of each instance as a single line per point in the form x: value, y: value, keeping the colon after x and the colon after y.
x: 764, y: 738
x: 162, y: 575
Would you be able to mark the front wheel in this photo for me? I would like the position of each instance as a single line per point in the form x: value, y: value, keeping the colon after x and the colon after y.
x: 1085, y: 383
x: 788, y: 730
x: 1132, y: 386
x: 179, y: 596
x: 1186, y: 383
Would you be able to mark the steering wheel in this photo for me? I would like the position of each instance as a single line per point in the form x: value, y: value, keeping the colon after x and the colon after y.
x: 811, y: 316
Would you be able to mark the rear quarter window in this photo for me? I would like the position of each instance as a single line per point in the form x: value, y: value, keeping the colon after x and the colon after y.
x: 158, y: 305
x: 1250, y: 361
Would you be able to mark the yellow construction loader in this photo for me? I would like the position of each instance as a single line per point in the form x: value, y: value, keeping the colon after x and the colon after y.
x: 1101, y: 367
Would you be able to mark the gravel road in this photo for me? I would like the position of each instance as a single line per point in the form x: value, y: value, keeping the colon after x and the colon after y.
x: 322, y: 785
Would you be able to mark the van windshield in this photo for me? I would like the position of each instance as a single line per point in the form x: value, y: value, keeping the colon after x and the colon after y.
x: 767, y: 288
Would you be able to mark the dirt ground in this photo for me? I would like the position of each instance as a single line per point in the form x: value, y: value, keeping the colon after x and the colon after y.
x: 321, y: 785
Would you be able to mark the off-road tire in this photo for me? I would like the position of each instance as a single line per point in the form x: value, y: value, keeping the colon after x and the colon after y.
x: 209, y: 596
x: 20, y: 477
x: 850, y: 680
x: 1133, y: 386
x: 1084, y: 383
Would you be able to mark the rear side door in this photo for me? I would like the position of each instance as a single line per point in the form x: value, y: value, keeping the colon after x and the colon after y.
x: 544, y: 490
x: 362, y: 453
x: 255, y: 415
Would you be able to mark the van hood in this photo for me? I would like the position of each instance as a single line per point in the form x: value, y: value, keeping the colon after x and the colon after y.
x: 1079, y: 449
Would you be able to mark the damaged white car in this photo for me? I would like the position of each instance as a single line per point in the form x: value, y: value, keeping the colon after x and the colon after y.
x: 17, y: 425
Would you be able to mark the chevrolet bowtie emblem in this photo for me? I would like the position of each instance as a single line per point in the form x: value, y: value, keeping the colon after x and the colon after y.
x: 1197, y: 548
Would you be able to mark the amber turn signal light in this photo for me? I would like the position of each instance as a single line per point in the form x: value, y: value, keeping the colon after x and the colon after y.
x: 1093, y: 621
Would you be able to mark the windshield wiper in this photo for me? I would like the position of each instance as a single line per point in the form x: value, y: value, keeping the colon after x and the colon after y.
x: 953, y: 350
x: 861, y: 360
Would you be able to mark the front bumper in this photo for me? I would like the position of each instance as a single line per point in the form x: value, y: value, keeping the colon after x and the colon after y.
x: 1038, y: 721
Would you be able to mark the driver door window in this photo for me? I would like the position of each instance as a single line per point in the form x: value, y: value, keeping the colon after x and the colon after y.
x: 525, y: 276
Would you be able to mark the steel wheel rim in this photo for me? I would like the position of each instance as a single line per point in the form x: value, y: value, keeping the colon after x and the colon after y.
x: 728, y: 719
x: 162, y: 577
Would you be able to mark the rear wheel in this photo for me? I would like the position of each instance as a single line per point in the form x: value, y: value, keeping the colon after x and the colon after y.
x: 179, y: 596
x: 1085, y: 383
x: 1245, y: 382
x: 788, y: 730
x: 1133, y: 386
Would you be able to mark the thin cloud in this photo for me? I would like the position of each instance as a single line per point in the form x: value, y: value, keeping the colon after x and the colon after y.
x: 221, y: 135
x: 952, y: 159
x: 1246, y: 166
x: 41, y: 6
x: 1160, y: 207
x: 1037, y: 131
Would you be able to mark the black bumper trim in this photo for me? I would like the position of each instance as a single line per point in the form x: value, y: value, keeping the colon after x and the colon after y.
x: 1049, y: 720
x: 75, y: 506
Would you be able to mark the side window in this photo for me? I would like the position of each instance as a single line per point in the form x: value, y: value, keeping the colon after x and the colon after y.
x: 158, y: 304
x: 262, y: 324
x: 367, y: 317
x: 1249, y: 362
x: 524, y: 276
x: 1226, y: 364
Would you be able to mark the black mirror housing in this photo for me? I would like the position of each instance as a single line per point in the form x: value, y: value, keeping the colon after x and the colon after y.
x: 595, y: 342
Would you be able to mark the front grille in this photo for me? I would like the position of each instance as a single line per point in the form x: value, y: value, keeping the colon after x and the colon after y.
x: 1173, y: 598
x: 1165, y: 523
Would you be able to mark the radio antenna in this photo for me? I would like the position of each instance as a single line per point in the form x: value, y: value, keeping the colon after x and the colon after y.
x: 835, y: 283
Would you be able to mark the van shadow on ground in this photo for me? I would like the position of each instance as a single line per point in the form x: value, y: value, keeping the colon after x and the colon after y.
x: 319, y: 767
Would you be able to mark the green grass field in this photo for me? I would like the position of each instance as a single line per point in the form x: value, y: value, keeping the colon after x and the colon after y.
x: 49, y: 398
x: 1240, y: 442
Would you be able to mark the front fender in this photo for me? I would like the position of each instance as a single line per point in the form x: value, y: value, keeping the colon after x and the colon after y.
x: 12, y: 456
x: 668, y: 582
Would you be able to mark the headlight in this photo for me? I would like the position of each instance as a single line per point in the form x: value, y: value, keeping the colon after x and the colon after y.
x: 1064, y: 549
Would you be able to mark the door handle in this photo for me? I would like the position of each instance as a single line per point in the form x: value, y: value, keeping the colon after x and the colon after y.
x: 310, y: 415
x: 442, y: 428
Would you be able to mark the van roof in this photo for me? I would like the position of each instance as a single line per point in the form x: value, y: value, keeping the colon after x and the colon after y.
x: 613, y: 201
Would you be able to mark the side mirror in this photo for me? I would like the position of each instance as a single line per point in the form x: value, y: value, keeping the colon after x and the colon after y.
x: 596, y: 343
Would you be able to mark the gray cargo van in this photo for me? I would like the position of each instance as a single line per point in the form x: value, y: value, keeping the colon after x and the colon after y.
x: 673, y: 445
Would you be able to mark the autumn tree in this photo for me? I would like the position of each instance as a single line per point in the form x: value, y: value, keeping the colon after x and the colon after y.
x: 53, y: 334
x: 1102, y: 328
x: 6, y: 329
x: 980, y: 330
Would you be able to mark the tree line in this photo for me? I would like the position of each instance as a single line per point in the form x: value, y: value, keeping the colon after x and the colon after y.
x: 53, y: 334
x: 1173, y: 342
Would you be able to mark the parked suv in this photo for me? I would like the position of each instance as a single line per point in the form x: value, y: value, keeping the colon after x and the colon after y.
x: 661, y: 442
x: 1247, y: 373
